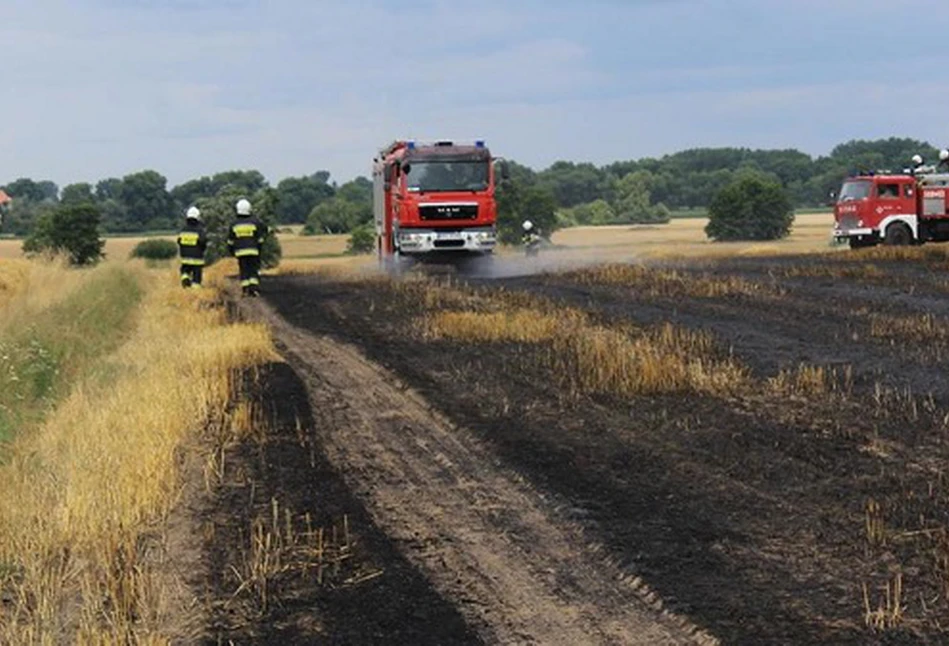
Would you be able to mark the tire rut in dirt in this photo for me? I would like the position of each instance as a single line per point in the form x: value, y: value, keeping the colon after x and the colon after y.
x: 378, y: 598
x: 488, y: 541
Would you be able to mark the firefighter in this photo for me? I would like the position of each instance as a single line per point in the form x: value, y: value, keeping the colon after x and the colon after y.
x: 917, y: 164
x: 530, y: 239
x: 943, y: 160
x: 192, y: 243
x: 244, y: 241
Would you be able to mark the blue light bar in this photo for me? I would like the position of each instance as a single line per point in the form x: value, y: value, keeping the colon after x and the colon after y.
x: 479, y: 143
x: 411, y: 145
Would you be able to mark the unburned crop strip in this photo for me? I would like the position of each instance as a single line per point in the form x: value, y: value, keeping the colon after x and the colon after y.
x: 667, y: 282
x: 84, y: 488
x: 920, y: 327
x: 591, y: 358
x: 834, y: 270
x: 813, y: 381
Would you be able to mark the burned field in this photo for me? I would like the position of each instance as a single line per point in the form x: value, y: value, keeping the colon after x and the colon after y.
x: 763, y: 442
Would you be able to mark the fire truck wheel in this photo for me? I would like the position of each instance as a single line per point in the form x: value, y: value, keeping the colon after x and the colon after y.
x: 898, y: 235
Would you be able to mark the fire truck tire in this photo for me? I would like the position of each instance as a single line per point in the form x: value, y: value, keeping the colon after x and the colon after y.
x: 898, y: 235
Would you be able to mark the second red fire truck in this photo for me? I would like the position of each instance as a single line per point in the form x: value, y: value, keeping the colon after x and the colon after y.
x: 893, y: 208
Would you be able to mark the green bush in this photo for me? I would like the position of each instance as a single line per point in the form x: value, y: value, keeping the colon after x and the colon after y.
x: 72, y: 229
x: 750, y: 208
x: 362, y: 240
x: 155, y: 249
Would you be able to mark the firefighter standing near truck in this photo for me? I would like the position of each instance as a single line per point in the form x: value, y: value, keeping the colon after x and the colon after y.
x: 943, y: 161
x: 192, y: 243
x: 245, y: 239
x: 530, y: 238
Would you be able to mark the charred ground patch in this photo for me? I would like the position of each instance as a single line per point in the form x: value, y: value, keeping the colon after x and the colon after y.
x: 293, y: 556
x: 780, y: 513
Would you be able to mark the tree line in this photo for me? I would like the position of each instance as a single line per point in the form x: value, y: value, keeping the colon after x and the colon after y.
x: 564, y: 194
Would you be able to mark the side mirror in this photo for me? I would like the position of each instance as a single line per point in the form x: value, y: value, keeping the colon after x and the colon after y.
x: 505, y: 171
x: 405, y: 169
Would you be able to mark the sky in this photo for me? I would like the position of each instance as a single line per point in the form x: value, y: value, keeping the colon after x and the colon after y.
x: 99, y: 88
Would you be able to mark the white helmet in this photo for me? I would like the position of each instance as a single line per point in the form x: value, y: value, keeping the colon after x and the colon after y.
x: 943, y: 154
x: 528, y: 225
x: 193, y: 214
x: 243, y: 207
x: 917, y: 159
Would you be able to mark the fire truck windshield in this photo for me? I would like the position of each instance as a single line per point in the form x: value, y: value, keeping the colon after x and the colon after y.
x: 854, y: 190
x: 447, y: 176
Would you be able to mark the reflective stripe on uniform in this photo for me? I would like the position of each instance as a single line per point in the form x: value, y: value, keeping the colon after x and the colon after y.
x: 244, y: 230
x: 188, y: 239
x: 253, y: 281
x: 239, y: 253
x: 246, y: 282
x: 194, y: 262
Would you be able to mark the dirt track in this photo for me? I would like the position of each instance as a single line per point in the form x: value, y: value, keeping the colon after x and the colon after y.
x: 519, y: 570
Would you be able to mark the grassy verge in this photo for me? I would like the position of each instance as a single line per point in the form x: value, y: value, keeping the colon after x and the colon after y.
x: 141, y: 368
x: 45, y: 346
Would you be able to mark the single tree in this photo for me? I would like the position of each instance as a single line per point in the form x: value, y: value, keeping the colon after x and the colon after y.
x: 71, y: 229
x: 752, y: 207
x: 634, y: 205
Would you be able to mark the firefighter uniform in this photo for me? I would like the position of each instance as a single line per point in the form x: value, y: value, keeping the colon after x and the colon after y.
x: 192, y: 244
x: 244, y: 241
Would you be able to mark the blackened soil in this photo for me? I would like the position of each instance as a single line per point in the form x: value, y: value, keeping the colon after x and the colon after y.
x: 373, y: 597
x: 747, y: 515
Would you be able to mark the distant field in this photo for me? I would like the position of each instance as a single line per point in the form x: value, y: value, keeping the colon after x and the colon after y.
x: 683, y: 236
x: 686, y: 237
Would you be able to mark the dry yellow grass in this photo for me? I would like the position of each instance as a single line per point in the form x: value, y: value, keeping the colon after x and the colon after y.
x: 685, y: 238
x: 80, y: 491
x: 27, y: 287
x: 836, y: 270
x: 812, y: 381
x: 519, y: 325
x: 919, y: 327
x: 670, y: 282
x: 590, y: 358
x: 297, y: 247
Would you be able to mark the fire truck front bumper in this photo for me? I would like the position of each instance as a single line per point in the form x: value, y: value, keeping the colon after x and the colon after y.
x: 423, y: 241
x: 846, y: 232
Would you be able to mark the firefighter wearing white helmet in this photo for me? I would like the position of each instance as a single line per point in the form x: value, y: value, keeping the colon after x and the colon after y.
x: 192, y: 244
x: 943, y: 159
x: 529, y: 239
x: 245, y: 239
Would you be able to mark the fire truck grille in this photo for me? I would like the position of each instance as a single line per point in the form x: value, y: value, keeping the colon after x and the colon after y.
x: 448, y: 211
x: 449, y: 244
x: 849, y: 222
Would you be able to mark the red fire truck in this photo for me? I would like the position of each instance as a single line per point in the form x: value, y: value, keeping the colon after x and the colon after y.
x: 895, y: 209
x: 434, y: 202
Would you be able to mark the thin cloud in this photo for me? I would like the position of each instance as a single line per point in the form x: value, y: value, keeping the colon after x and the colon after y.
x: 106, y: 87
